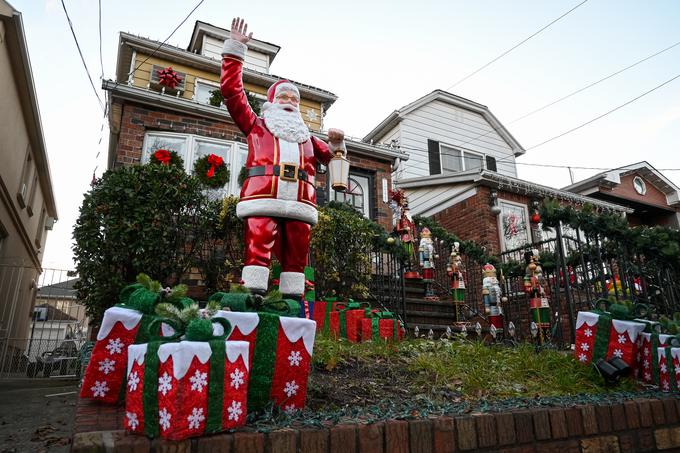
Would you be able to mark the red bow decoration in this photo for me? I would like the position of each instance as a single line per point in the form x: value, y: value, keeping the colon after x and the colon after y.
x: 214, y: 161
x: 163, y: 156
x: 169, y: 78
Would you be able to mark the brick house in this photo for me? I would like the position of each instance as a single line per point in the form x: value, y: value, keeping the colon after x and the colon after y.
x: 145, y: 115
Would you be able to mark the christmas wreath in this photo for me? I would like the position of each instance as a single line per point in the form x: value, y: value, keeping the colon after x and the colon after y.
x: 166, y: 157
x: 212, y: 171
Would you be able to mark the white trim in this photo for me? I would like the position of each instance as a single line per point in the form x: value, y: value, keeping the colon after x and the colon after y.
x: 675, y: 353
x: 183, y: 354
x: 136, y: 353
x: 296, y: 328
x: 128, y: 317
x: 234, y: 48
x: 586, y: 317
x: 463, y: 152
x: 633, y: 328
x: 292, y: 283
x: 236, y: 349
x: 271, y: 207
x: 499, y: 221
x: 246, y: 322
x: 255, y: 277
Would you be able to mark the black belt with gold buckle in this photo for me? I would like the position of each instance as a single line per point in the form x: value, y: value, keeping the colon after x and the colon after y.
x: 290, y: 172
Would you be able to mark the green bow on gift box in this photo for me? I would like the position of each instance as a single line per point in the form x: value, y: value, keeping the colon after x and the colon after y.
x: 240, y: 300
x: 623, y: 310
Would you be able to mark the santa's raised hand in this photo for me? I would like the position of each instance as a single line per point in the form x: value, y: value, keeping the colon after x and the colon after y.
x: 239, y: 28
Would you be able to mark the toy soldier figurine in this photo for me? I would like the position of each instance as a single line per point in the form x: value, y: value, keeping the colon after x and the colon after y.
x: 278, y: 198
x: 427, y: 256
x: 535, y: 287
x: 454, y: 269
x: 491, y: 294
x: 406, y: 229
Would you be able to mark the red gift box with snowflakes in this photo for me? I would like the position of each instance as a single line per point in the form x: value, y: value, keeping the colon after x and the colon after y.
x: 648, y: 370
x: 186, y: 389
x: 280, y: 356
x: 600, y: 336
x: 669, y: 368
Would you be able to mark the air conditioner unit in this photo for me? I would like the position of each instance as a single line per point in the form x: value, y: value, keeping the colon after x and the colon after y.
x: 40, y: 313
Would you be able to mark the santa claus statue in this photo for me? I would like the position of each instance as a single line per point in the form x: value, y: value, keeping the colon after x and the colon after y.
x: 278, y: 198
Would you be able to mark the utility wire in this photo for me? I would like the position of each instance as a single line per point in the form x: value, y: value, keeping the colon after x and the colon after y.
x: 70, y: 24
x: 101, y: 58
x: 513, y: 47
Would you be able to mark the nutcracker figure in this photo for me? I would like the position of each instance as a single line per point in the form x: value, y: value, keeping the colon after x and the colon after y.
x: 491, y: 295
x: 454, y: 269
x: 535, y: 286
x: 427, y: 257
x: 278, y: 198
x: 406, y: 229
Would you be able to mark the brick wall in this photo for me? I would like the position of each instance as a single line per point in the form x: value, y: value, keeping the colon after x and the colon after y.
x: 635, y: 425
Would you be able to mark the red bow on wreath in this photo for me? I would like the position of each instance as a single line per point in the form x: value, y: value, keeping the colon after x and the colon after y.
x: 214, y: 161
x: 169, y: 78
x: 163, y: 156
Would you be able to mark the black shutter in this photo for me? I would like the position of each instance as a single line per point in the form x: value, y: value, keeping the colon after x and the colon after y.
x: 491, y: 163
x: 433, y: 154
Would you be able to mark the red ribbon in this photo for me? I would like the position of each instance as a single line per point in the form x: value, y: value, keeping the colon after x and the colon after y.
x: 163, y: 156
x: 214, y: 161
x: 169, y: 78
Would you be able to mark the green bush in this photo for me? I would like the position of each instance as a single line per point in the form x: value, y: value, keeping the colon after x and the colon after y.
x: 150, y: 218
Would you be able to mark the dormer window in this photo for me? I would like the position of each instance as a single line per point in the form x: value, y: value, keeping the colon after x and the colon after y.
x: 455, y: 160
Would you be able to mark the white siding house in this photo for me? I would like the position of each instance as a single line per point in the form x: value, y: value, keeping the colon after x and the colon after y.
x: 444, y: 133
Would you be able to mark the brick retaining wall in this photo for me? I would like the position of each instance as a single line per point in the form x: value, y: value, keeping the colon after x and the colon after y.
x: 631, y: 426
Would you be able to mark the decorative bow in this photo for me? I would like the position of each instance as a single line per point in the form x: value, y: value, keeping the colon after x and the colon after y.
x: 243, y: 301
x: 214, y: 161
x: 163, y: 156
x: 169, y: 77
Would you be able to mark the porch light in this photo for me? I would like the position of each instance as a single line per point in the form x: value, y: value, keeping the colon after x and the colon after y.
x: 533, y: 329
x: 493, y: 331
x: 621, y: 366
x: 478, y: 329
x: 339, y: 172
x: 511, y: 329
x: 493, y: 202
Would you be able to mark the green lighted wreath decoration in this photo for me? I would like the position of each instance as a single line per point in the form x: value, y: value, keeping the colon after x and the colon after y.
x: 166, y: 157
x: 211, y: 171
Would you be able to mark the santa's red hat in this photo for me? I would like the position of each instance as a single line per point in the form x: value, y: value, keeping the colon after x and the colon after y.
x: 278, y: 87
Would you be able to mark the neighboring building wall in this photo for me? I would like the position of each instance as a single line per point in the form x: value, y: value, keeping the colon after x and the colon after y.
x: 451, y: 126
x: 212, y: 47
x: 627, y: 191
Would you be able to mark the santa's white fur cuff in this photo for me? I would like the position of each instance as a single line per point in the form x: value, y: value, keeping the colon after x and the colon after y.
x: 234, y: 48
x: 292, y: 283
x: 272, y: 207
x: 255, y: 277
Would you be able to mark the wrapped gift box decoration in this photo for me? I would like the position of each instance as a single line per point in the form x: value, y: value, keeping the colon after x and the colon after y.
x: 669, y: 364
x: 600, y: 336
x: 321, y: 313
x: 281, y: 352
x: 381, y: 325
x: 123, y: 325
x: 186, y: 389
x: 345, y: 320
x: 648, y: 368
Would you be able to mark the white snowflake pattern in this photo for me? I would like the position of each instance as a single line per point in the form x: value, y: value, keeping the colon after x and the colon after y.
x: 648, y: 377
x: 588, y: 333
x: 237, y: 378
x: 291, y: 388
x: 677, y: 371
x: 618, y: 353
x: 132, y: 420
x: 198, y: 381
x: 663, y: 368
x: 622, y: 339
x: 99, y: 389
x: 666, y: 386
x: 582, y: 357
x: 290, y: 409
x: 164, y: 418
x: 133, y: 381
x: 115, y: 346
x: 235, y: 410
x: 646, y: 351
x: 585, y: 346
x: 106, y: 366
x: 196, y: 417
x: 645, y: 363
x: 165, y: 383
x: 295, y: 358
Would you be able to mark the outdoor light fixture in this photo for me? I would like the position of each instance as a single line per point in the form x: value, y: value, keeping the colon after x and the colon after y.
x: 478, y: 329
x: 621, y: 366
x: 511, y: 329
x: 493, y: 331
x: 463, y: 331
x: 533, y: 329
x: 493, y: 202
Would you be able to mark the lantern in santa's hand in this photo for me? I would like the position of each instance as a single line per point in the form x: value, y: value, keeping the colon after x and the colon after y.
x: 339, y: 171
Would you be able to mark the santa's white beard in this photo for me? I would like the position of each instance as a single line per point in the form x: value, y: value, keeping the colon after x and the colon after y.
x: 283, y: 124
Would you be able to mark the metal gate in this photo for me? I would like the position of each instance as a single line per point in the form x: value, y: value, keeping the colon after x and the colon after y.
x: 43, y: 328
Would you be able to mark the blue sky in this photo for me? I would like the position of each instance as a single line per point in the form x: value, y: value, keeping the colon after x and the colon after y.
x: 378, y: 56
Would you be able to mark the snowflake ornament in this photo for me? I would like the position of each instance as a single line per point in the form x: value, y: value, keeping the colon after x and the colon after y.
x: 290, y: 409
x: 235, y: 410
x: 666, y: 386
x: 622, y: 339
x: 646, y: 351
x: 237, y: 378
x: 648, y: 376
x: 133, y: 381
x: 106, y: 366
x: 115, y: 346
x: 99, y: 389
x: 645, y: 364
x: 663, y: 368
x: 618, y: 353
x: 585, y: 346
x: 164, y: 418
x: 588, y: 333
x: 198, y: 381
x: 295, y: 358
x: 196, y: 417
x: 291, y: 388
x: 582, y: 357
x: 165, y: 383
x: 132, y: 420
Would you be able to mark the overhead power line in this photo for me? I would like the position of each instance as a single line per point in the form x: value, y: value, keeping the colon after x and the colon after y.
x: 513, y: 48
x: 101, y: 58
x: 70, y: 24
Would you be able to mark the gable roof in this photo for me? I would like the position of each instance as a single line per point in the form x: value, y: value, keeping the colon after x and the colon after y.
x: 203, y: 28
x: 612, y: 178
x: 440, y: 95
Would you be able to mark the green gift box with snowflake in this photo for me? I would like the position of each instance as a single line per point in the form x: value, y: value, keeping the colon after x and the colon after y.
x: 178, y: 390
x: 600, y: 336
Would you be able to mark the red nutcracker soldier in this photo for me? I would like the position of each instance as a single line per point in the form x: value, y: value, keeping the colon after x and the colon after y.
x: 454, y: 269
x: 278, y: 198
x: 539, y: 304
x: 406, y: 228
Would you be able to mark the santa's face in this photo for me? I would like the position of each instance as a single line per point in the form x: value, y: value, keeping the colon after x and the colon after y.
x: 289, y: 100
x: 283, y: 118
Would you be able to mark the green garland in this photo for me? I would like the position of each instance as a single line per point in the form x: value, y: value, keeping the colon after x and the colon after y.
x: 166, y: 157
x: 218, y: 170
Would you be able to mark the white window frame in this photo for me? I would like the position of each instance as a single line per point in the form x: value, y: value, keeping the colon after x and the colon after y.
x: 215, y: 85
x: 499, y: 222
x: 366, y: 194
x: 191, y: 145
x: 463, y: 152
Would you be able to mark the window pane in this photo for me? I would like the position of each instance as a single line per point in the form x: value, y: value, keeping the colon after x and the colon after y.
x: 204, y: 148
x: 202, y: 93
x: 472, y: 161
x: 239, y: 162
x: 451, y: 159
x: 514, y: 231
x: 155, y: 142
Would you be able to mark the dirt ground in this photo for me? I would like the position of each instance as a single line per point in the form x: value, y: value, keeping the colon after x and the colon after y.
x: 33, y: 421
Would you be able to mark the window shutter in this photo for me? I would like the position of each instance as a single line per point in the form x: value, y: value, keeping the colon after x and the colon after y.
x: 491, y: 163
x: 433, y: 154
